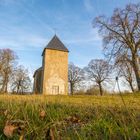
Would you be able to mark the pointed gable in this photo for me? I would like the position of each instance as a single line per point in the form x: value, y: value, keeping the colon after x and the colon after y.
x: 56, y: 44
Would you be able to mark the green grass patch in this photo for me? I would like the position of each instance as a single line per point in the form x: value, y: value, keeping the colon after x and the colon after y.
x: 71, y: 117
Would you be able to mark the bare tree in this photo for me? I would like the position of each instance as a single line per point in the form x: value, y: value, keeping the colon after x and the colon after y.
x: 126, y: 71
x: 7, y: 64
x: 121, y: 35
x: 98, y: 71
x: 21, y: 82
x: 75, y: 76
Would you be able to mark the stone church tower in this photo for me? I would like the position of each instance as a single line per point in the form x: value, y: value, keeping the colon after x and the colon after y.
x: 52, y: 77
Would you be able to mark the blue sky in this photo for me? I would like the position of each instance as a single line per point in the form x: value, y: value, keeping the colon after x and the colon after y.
x: 26, y: 26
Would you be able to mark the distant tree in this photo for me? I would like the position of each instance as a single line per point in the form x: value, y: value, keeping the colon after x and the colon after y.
x: 98, y: 71
x: 94, y: 90
x: 75, y: 76
x: 121, y: 35
x: 7, y: 64
x: 21, y: 82
x: 126, y: 71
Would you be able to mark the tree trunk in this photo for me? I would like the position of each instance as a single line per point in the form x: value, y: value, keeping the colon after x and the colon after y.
x: 6, y: 86
x: 3, y: 85
x: 2, y: 89
x: 136, y: 70
x: 100, y: 88
x: 131, y: 86
x: 71, y: 88
x: 18, y: 87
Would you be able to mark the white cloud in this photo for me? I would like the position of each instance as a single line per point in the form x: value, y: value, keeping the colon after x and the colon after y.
x: 81, y: 40
x: 23, y: 42
x: 27, y: 7
x: 91, y: 36
x: 88, y: 5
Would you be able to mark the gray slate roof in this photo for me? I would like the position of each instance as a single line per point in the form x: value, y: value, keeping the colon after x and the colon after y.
x: 56, y: 44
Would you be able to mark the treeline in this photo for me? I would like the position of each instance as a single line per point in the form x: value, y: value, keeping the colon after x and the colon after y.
x: 14, y: 78
x: 98, y: 76
x: 121, y: 47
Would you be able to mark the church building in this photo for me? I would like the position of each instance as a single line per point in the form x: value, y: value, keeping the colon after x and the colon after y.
x: 52, y: 77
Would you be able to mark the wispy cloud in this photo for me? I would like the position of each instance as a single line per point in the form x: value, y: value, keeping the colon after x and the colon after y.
x: 26, y: 28
x: 88, y: 5
x: 5, y: 2
x: 27, y: 7
x: 82, y: 41
x: 91, y: 37
x: 23, y: 42
x: 17, y: 35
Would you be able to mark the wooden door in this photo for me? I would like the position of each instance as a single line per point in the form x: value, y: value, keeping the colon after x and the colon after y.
x: 55, y: 90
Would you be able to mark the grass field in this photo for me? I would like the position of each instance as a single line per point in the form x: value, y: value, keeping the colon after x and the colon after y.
x: 70, y: 117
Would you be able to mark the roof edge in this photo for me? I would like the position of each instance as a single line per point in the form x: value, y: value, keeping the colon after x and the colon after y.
x: 53, y: 49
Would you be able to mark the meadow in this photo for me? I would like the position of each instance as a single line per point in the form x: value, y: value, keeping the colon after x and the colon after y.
x: 34, y: 117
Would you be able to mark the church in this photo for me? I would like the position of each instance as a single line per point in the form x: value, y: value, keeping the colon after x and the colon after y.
x: 52, y: 77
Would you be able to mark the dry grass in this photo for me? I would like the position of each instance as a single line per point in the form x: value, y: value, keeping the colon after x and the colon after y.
x: 70, y: 117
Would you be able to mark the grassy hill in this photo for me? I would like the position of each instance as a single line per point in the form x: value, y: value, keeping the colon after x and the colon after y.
x: 70, y: 117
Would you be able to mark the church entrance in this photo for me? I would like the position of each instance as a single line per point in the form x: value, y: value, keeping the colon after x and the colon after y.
x: 55, y: 90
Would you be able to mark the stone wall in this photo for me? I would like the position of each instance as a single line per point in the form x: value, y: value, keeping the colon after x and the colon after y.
x: 55, y: 76
x: 37, y: 89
